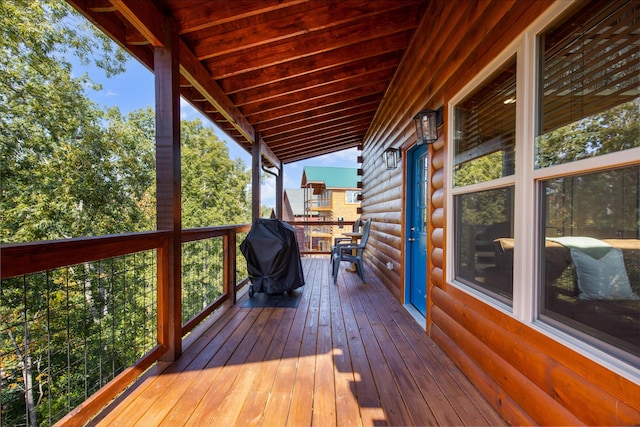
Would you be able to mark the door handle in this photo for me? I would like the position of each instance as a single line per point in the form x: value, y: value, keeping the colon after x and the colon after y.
x: 411, y: 239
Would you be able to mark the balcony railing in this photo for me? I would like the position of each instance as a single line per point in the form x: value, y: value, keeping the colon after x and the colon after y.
x: 305, y: 231
x: 315, y: 204
x: 80, y: 319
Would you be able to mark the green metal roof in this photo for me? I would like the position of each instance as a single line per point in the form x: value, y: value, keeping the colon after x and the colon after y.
x: 330, y: 176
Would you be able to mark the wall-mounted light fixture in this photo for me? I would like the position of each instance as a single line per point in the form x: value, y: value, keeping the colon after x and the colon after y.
x: 427, y: 122
x: 391, y: 158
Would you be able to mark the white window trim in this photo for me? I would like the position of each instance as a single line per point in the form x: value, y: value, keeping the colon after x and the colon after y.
x: 525, y: 304
x: 512, y: 50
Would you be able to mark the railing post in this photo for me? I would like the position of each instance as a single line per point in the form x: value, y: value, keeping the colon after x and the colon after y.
x: 230, y: 256
x: 280, y: 193
x: 256, y: 162
x: 163, y: 294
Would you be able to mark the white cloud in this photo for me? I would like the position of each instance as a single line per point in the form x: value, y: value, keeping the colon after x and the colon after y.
x: 187, y: 112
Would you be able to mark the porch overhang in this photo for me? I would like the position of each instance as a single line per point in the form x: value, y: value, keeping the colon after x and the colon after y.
x: 300, y: 78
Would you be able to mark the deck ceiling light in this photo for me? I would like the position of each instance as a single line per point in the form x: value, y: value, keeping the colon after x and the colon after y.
x: 427, y: 126
x: 392, y: 158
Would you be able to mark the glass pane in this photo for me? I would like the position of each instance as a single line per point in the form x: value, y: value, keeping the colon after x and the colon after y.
x: 484, y: 241
x: 424, y: 193
x: 485, y: 124
x: 592, y: 254
x: 590, y: 74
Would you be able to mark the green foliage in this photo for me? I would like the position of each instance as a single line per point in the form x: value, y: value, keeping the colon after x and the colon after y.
x: 70, y: 169
x: 214, y: 188
x: 481, y: 169
x: 265, y: 211
x: 72, y: 330
x: 51, y: 138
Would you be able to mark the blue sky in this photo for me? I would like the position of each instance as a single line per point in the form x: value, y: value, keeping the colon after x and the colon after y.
x: 135, y: 89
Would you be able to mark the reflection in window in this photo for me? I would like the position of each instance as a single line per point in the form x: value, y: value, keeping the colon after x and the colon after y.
x: 590, y: 239
x: 592, y: 254
x: 484, y: 150
x: 484, y: 240
x: 589, y: 73
x: 485, y: 124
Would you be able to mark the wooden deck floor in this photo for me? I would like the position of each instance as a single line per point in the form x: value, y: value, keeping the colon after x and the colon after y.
x: 348, y: 355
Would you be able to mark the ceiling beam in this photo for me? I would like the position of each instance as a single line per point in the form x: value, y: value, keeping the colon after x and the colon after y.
x: 342, y: 57
x: 269, y: 155
x: 197, y: 15
x: 147, y: 19
x: 315, y: 43
x: 314, y: 84
x: 369, y: 103
x: 199, y: 77
x: 144, y: 16
x: 324, y: 101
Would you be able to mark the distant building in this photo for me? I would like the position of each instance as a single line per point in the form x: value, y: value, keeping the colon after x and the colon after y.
x: 293, y: 204
x: 328, y: 194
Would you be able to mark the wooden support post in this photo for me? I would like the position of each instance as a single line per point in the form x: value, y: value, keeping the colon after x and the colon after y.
x: 256, y: 163
x: 280, y: 193
x: 230, y: 255
x: 168, y: 191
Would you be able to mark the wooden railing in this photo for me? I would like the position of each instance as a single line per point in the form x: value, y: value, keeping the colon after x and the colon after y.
x: 231, y: 283
x: 91, y: 269
x: 306, y: 225
x: 86, y: 271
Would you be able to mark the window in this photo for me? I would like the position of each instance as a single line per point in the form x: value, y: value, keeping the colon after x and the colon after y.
x: 546, y: 209
x: 591, y: 279
x: 589, y: 107
x: 485, y: 124
x: 484, y: 240
x: 351, y: 196
x: 589, y: 75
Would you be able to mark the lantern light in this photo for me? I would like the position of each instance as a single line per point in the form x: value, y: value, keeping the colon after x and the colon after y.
x: 392, y: 158
x: 427, y: 122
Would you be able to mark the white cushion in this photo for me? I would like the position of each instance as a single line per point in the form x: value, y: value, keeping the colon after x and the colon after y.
x: 603, y: 278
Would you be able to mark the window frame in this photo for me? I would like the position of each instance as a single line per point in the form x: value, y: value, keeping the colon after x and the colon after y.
x: 527, y: 181
x: 513, y: 50
x: 355, y: 194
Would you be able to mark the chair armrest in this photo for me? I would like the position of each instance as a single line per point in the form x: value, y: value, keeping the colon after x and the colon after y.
x: 337, y: 240
x: 348, y: 247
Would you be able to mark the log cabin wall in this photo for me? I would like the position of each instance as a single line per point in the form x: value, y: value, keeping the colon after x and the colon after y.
x: 527, y: 376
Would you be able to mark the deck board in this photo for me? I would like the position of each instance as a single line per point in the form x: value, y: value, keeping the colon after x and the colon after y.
x: 348, y: 355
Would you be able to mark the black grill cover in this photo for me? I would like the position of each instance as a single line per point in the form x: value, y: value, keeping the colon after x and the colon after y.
x: 273, y: 258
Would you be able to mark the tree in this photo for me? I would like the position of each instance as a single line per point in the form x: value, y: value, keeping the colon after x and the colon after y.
x: 47, y: 124
x: 214, y: 192
x: 214, y: 187
x: 46, y: 120
x: 70, y: 169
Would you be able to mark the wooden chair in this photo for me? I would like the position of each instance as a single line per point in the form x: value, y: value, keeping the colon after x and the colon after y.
x: 351, y: 252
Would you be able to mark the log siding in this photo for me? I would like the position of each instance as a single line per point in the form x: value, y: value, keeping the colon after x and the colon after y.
x: 527, y: 376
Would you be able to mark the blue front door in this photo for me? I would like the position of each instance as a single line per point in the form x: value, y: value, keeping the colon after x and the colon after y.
x: 417, y: 220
